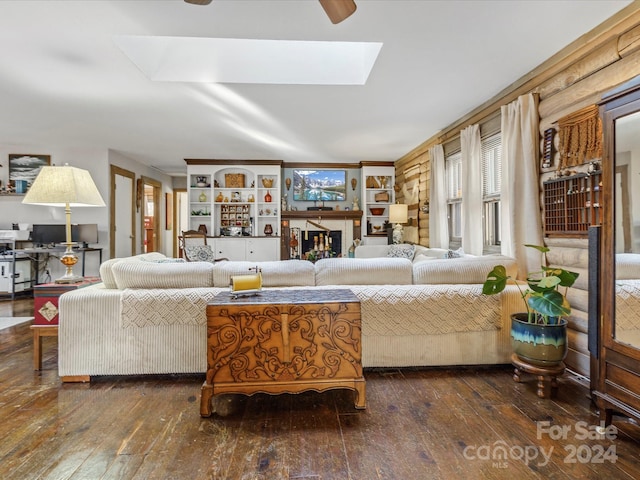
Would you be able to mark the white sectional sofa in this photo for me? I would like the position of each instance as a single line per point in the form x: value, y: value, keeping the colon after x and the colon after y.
x: 148, y: 315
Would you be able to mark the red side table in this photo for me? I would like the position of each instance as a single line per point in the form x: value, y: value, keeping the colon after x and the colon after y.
x: 45, y: 303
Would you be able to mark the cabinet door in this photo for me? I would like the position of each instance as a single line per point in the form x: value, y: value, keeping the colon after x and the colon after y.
x: 233, y: 248
x: 263, y: 249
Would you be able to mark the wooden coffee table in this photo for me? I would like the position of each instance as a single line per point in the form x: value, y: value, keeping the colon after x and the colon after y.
x: 283, y: 341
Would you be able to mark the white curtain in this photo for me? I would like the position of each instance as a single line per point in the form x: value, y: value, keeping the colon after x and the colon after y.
x: 521, y: 221
x: 438, y: 224
x: 471, y: 150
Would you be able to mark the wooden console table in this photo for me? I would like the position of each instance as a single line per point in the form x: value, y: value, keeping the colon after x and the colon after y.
x: 283, y: 341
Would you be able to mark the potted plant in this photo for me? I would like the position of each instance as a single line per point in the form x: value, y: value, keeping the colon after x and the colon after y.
x: 539, y: 335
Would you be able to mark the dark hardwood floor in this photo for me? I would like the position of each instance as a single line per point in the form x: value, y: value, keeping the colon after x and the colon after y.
x: 432, y: 423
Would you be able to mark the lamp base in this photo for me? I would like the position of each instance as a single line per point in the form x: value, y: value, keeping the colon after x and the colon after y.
x: 397, y: 233
x: 71, y: 279
x: 69, y: 259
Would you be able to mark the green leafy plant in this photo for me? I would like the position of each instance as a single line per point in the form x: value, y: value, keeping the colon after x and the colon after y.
x: 543, y: 300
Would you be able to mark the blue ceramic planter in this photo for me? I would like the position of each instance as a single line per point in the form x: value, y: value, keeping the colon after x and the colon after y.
x: 542, y: 345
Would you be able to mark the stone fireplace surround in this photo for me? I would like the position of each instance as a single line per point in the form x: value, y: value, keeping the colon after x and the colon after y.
x: 348, y: 222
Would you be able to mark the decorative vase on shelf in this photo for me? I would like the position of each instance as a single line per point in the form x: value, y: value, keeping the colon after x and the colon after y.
x: 201, y: 181
x: 267, y: 197
x: 268, y: 229
x: 220, y: 197
x: 202, y: 197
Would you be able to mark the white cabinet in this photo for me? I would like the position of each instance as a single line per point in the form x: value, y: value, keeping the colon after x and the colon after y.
x: 15, y: 272
x: 377, y: 195
x: 263, y: 249
x: 236, y: 203
x: 233, y: 249
x: 255, y: 249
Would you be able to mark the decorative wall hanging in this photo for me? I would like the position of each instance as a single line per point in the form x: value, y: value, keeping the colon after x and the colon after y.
x: 547, y: 149
x: 23, y: 170
x: 580, y: 137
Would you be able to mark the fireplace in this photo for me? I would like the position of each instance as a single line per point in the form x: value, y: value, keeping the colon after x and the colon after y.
x: 300, y: 227
x: 311, y: 237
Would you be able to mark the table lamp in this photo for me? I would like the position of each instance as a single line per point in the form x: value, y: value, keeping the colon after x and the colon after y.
x: 398, y: 214
x: 65, y: 187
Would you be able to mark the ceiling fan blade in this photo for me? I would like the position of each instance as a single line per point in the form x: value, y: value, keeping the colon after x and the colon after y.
x: 198, y: 2
x: 338, y: 10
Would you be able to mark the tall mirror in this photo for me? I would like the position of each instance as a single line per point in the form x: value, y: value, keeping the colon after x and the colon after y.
x: 616, y: 359
x: 627, y: 229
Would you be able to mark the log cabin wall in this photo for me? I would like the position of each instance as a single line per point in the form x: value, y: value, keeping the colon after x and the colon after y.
x: 574, y: 78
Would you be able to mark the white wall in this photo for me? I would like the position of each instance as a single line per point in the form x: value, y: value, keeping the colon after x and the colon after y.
x: 122, y: 161
x: 97, y: 162
x: 12, y: 210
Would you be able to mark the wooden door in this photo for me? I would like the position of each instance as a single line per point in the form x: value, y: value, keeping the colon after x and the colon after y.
x: 122, y: 232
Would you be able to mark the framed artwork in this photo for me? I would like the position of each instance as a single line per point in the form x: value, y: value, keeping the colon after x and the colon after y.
x: 23, y: 170
x: 168, y: 211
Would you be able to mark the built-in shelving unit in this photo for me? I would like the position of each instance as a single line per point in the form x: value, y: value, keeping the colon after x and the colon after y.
x: 377, y: 195
x: 240, y: 202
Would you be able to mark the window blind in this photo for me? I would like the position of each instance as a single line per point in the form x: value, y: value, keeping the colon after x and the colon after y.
x: 453, y: 167
x: 491, y: 166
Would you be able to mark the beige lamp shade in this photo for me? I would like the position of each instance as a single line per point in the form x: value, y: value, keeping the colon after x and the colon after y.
x: 64, y: 186
x: 398, y: 213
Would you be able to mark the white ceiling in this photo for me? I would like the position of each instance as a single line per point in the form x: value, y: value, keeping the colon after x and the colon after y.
x: 64, y: 82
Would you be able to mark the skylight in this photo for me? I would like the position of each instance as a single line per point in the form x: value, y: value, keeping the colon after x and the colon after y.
x: 230, y: 60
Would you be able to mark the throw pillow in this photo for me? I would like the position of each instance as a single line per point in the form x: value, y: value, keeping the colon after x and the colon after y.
x: 199, y: 253
x: 170, y: 260
x: 401, y: 250
x: 454, y: 253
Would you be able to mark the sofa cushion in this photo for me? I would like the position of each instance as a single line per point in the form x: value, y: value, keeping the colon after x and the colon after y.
x: 377, y: 251
x: 283, y: 273
x: 421, y: 258
x: 106, y: 267
x: 371, y: 251
x: 430, y: 252
x: 363, y: 271
x: 163, y: 275
x: 627, y: 266
x: 460, y: 270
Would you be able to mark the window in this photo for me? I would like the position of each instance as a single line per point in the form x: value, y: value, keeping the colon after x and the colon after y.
x: 453, y: 168
x: 491, y: 151
x: 491, y: 184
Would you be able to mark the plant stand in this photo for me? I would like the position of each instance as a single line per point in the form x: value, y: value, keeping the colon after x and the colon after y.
x: 541, y: 372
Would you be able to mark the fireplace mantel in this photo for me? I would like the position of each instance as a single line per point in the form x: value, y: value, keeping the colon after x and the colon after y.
x: 326, y: 214
x: 351, y: 222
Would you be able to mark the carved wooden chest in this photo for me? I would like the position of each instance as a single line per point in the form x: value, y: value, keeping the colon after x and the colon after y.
x: 283, y: 341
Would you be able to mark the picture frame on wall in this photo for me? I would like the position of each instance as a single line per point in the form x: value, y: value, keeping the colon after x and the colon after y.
x: 23, y: 170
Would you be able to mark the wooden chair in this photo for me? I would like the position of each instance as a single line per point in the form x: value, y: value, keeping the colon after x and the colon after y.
x: 190, y: 237
x: 195, y: 238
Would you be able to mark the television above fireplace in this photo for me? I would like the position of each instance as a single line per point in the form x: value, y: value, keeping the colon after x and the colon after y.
x: 320, y: 185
